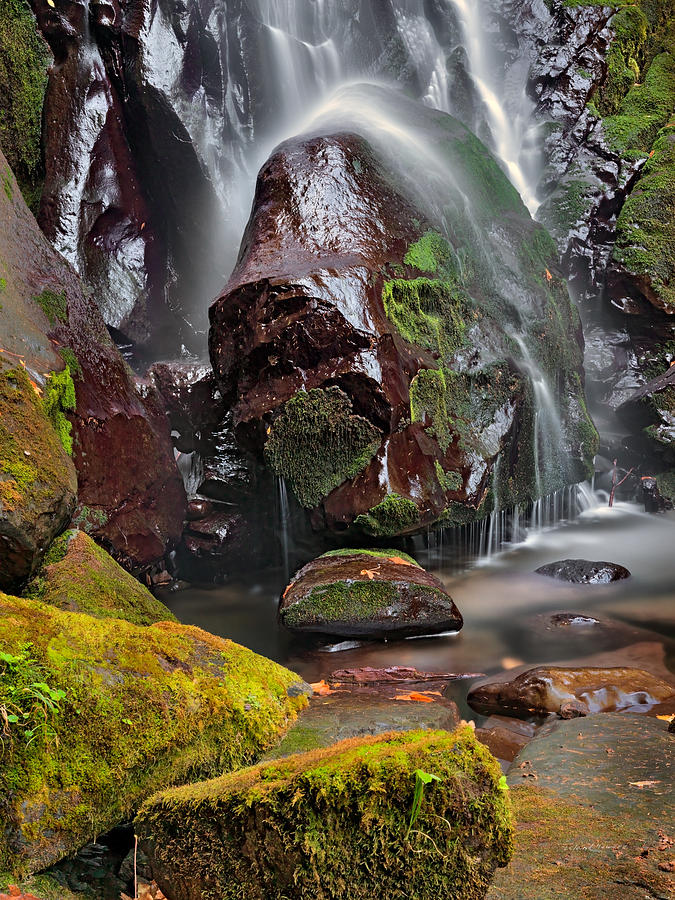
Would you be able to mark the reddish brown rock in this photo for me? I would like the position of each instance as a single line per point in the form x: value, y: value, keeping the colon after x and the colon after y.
x: 130, y: 493
x: 356, y: 594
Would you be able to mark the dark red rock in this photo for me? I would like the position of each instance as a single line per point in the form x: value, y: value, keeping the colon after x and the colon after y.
x: 130, y: 493
x: 583, y: 571
x: 394, y: 675
x: 354, y: 594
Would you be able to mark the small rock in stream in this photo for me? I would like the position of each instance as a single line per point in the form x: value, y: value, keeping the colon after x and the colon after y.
x: 584, y: 571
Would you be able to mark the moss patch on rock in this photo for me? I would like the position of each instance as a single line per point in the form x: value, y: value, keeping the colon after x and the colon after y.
x: 387, y: 554
x: 59, y: 398
x: 334, y: 824
x: 317, y: 442
x: 393, y: 515
x: 79, y: 576
x: 141, y: 708
x: 37, y: 478
x: 645, y: 239
x: 24, y: 58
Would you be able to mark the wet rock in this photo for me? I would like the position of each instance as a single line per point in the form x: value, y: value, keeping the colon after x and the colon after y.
x: 321, y: 335
x: 354, y: 593
x: 547, y: 689
x: 503, y: 742
x: 574, y: 620
x: 367, y: 675
x: 130, y: 493
x: 125, y: 722
x: 597, y: 818
x: 354, y: 712
x: 37, y: 477
x: 79, y: 576
x: 327, y: 838
x: 583, y: 571
x: 652, y: 498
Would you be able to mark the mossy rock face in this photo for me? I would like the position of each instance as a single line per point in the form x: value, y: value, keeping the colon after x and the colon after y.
x: 333, y: 824
x: 24, y: 58
x: 128, y: 710
x: 357, y: 594
x: 37, y: 478
x: 79, y: 576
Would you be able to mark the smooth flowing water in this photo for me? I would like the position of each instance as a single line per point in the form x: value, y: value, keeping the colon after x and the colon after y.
x: 506, y: 607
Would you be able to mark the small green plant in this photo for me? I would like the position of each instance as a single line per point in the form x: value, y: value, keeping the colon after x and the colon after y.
x: 421, y: 780
x: 27, y: 705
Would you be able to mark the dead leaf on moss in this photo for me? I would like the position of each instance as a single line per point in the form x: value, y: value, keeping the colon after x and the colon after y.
x: 371, y: 573
x: 418, y: 696
x: 400, y: 561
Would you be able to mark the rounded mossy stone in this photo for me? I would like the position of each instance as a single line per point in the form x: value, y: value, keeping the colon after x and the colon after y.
x: 392, y: 516
x: 335, y: 824
x: 79, y: 576
x: 37, y: 478
x: 138, y: 709
x: 374, y: 551
x: 24, y: 58
x: 317, y: 442
x: 365, y: 595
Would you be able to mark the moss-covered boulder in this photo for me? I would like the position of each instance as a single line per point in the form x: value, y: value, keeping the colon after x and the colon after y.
x: 367, y: 593
x: 79, y: 576
x: 338, y: 823
x: 37, y: 477
x: 98, y: 714
x: 391, y: 321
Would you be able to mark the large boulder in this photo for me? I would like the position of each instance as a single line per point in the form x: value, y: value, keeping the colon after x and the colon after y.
x: 335, y: 824
x: 382, y: 368
x: 593, y: 803
x: 37, y: 477
x: 130, y: 492
x: 367, y: 593
x: 79, y: 576
x: 99, y: 713
x: 569, y: 691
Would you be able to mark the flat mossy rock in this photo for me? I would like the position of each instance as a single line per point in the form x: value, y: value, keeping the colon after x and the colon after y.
x: 596, y: 822
x: 133, y: 710
x: 371, y: 594
x: 79, y: 576
x: 333, y: 824
x: 569, y: 691
x: 37, y: 478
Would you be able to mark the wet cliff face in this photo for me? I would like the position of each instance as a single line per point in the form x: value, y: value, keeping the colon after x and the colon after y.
x: 383, y: 367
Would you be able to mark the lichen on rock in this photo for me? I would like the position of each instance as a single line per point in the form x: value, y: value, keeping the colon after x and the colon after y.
x: 334, y: 824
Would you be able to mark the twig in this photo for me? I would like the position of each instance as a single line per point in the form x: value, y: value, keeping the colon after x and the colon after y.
x: 135, y: 867
x: 616, y: 484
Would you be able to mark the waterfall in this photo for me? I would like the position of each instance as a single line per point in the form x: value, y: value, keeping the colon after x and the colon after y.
x: 284, y: 527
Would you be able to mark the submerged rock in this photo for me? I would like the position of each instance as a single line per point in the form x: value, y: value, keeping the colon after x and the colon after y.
x: 551, y: 689
x: 381, y: 368
x: 583, y: 571
x: 597, y: 818
x: 79, y: 576
x: 371, y: 594
x: 129, y: 490
x: 119, y: 721
x: 37, y: 476
x: 334, y: 824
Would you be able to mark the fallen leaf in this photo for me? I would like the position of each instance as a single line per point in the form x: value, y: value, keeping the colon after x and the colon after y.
x: 672, y: 715
x: 549, y: 277
x: 322, y: 688
x: 643, y: 784
x: 371, y: 573
x: 510, y: 662
x: 400, y: 561
x: 415, y: 695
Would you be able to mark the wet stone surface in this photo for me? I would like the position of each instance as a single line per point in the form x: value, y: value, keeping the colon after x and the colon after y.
x: 584, y: 571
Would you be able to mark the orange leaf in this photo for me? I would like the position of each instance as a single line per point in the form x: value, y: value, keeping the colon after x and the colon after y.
x: 415, y: 695
x: 322, y: 688
x: 666, y: 718
x: 370, y: 572
x: 643, y: 784
x: 549, y: 277
x: 400, y: 561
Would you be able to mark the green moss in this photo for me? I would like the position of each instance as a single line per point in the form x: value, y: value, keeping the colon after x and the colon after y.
x: 24, y: 58
x: 42, y: 886
x: 431, y: 254
x: 79, y: 576
x: 372, y: 552
x: 392, y: 516
x: 8, y: 185
x: 33, y: 464
x: 54, y: 305
x: 428, y: 403
x: 317, y: 442
x: 666, y: 484
x: 343, y: 601
x: 89, y: 520
x: 71, y: 360
x: 333, y: 823
x: 59, y: 398
x: 645, y: 240
x: 430, y: 313
x: 449, y: 481
x: 145, y: 707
